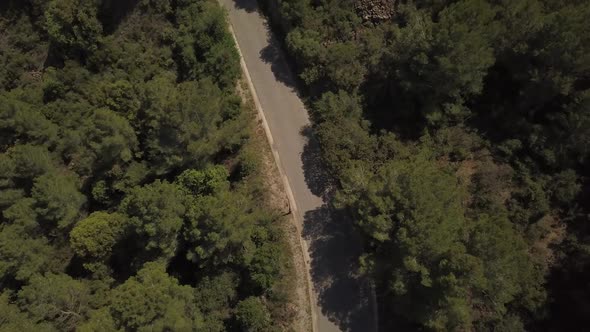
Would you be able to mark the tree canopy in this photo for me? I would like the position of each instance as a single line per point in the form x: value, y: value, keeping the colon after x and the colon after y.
x: 456, y: 133
x: 123, y: 201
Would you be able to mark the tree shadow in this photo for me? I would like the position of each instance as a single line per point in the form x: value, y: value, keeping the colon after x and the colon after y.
x: 334, y: 247
x: 113, y: 12
x: 343, y: 294
x: 273, y: 54
x: 316, y: 176
x: 249, y: 6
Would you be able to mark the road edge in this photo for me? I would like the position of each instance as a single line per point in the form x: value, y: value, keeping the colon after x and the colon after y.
x: 285, y: 180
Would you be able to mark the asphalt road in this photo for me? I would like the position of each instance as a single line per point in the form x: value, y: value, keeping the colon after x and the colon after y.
x: 341, y: 300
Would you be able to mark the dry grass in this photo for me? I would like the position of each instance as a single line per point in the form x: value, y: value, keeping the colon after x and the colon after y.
x: 553, y: 232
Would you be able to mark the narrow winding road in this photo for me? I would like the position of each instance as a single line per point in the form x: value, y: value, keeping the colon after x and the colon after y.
x: 341, y: 301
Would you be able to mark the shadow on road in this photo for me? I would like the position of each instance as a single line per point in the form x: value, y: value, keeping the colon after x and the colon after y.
x: 247, y: 5
x: 316, y: 177
x: 273, y: 55
x: 343, y: 295
x: 334, y: 248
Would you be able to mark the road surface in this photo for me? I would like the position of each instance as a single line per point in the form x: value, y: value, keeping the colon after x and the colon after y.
x: 340, y: 300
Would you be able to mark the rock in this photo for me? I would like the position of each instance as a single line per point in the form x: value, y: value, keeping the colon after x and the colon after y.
x: 375, y: 10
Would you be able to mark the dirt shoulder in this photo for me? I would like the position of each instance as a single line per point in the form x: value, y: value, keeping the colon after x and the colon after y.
x: 295, y: 313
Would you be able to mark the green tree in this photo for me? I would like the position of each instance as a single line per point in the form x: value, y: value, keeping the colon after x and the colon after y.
x: 439, y: 266
x: 510, y: 275
x: 56, y: 298
x: 31, y: 161
x: 96, y: 235
x: 565, y: 186
x: 214, y: 296
x: 252, y: 315
x: 73, y: 24
x: 12, y: 319
x: 153, y: 300
x: 265, y: 268
x: 21, y: 123
x: 133, y: 176
x: 207, y: 182
x: 410, y: 188
x: 24, y: 255
x: 103, y: 103
x: 107, y: 139
x: 204, y: 44
x: 21, y: 50
x: 156, y: 213
x: 101, y: 193
x: 438, y: 65
x: 99, y: 320
x: 341, y: 131
x: 462, y: 36
x: 343, y: 66
x: 57, y: 198
x: 24, y: 251
x: 122, y: 97
x: 181, y: 122
x: 411, y: 212
x: 219, y: 229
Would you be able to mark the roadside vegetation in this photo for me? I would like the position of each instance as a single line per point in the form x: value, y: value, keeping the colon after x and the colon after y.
x: 459, y: 135
x: 131, y: 195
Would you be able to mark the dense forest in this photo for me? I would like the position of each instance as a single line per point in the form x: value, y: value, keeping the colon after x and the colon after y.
x: 459, y: 135
x: 130, y: 198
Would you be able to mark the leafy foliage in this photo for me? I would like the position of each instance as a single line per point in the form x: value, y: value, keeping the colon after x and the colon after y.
x: 73, y: 24
x: 456, y: 131
x: 57, y: 198
x: 252, y: 315
x: 154, y: 300
x: 96, y: 235
x: 156, y: 212
x: 56, y: 298
x: 119, y: 128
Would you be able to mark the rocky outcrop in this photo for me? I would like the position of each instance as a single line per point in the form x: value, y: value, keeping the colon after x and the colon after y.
x: 375, y: 10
